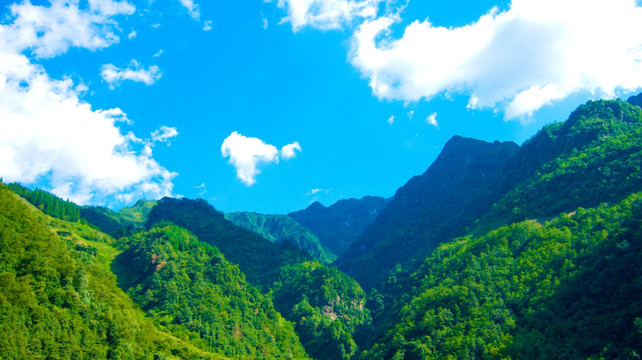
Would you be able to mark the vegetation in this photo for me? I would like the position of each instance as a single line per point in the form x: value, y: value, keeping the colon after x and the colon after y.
x: 282, y: 228
x: 188, y: 287
x: 528, y: 291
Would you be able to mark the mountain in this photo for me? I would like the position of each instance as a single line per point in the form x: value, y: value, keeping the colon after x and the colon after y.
x: 282, y: 228
x: 338, y: 225
x: 429, y: 209
x: 473, y: 186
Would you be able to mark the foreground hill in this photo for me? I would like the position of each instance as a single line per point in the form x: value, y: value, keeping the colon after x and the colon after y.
x: 339, y: 225
x: 282, y: 228
x: 59, y: 300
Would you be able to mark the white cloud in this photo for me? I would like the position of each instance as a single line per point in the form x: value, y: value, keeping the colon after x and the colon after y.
x: 410, y: 114
x: 49, y: 136
x: 531, y: 55
x: 432, y: 120
x: 208, y: 25
x: 114, y: 75
x: 132, y: 34
x: 164, y: 134
x: 192, y: 8
x: 49, y: 31
x: 246, y: 153
x: 391, y: 119
x: 289, y: 151
x: 326, y: 14
x: 158, y: 54
x: 264, y: 22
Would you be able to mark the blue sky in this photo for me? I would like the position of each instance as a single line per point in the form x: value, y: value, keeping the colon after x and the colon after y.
x: 268, y: 106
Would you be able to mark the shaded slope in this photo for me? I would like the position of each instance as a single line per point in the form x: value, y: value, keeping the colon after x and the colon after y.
x: 282, y: 228
x: 339, y: 225
x: 429, y: 209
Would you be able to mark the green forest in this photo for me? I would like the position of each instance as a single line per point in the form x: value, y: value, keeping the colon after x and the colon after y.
x: 504, y: 252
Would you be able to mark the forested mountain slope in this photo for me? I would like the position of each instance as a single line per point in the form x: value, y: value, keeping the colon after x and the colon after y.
x: 282, y: 228
x: 339, y: 225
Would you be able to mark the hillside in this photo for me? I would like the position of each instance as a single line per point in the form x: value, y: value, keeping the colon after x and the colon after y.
x: 58, y: 298
x: 339, y: 225
x: 282, y: 228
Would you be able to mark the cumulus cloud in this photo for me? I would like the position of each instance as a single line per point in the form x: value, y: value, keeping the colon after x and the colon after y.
x: 326, y: 14
x: 208, y: 25
x: 192, y: 8
x: 135, y: 72
x: 49, y: 136
x: 132, y: 34
x: 391, y: 119
x: 535, y: 53
x: 289, y: 151
x: 246, y: 153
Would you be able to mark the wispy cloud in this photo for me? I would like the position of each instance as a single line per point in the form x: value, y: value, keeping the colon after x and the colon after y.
x: 132, y: 34
x: 208, y: 25
x: 158, y: 54
x: 246, y: 153
x: 504, y: 60
x: 164, y: 134
x: 135, y: 72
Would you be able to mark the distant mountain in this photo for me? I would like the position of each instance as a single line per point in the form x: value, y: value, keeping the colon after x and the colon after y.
x: 125, y: 221
x: 282, y: 228
x: 429, y: 209
x: 339, y: 225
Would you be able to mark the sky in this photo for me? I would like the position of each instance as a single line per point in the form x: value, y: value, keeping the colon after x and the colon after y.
x: 268, y: 106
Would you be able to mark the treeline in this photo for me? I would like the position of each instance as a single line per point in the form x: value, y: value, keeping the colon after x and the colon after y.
x: 48, y: 203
